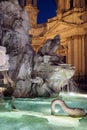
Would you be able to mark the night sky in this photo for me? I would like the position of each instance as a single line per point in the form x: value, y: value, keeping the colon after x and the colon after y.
x: 47, y: 10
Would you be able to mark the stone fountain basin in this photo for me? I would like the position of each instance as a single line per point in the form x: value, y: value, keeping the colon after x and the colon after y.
x: 34, y: 114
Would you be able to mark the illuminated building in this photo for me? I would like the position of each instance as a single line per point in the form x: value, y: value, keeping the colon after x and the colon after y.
x: 70, y: 23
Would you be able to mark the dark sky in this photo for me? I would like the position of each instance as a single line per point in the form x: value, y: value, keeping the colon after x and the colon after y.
x: 47, y: 10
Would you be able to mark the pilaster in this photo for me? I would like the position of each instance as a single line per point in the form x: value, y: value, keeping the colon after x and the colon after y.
x: 79, y: 54
x: 83, y: 3
x: 67, y: 5
x: 70, y: 51
x: 83, y: 55
x: 76, y: 54
x: 61, y: 5
x: 79, y: 3
x: 76, y: 3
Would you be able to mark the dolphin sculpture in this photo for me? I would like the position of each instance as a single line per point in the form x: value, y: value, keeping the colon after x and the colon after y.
x: 74, y: 112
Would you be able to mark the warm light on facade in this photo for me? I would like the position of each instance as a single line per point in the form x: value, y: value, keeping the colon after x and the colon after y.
x: 70, y: 23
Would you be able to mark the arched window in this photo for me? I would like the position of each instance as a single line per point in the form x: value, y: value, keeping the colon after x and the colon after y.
x: 71, y: 4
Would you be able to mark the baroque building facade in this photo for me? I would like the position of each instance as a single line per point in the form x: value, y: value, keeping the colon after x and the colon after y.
x: 70, y: 23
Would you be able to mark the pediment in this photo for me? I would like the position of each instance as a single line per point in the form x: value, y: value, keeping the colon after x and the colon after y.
x: 59, y: 26
x: 64, y: 27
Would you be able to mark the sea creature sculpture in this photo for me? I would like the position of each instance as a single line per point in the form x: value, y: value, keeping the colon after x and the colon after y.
x: 74, y: 112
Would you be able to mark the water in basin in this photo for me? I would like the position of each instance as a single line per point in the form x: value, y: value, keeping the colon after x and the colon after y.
x: 34, y: 114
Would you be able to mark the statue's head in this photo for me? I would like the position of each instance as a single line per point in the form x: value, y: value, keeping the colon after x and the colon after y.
x: 57, y: 37
x: 56, y: 40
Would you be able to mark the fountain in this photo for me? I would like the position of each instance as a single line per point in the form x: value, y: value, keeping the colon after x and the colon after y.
x: 41, y: 74
x: 35, y: 78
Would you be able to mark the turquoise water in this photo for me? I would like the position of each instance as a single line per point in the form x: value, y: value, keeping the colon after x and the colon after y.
x: 34, y: 114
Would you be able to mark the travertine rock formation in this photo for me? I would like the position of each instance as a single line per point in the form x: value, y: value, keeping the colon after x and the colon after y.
x: 14, y: 27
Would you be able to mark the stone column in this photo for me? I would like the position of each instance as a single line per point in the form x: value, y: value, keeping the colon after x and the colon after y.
x: 76, y: 55
x: 70, y: 51
x: 67, y: 5
x: 79, y: 54
x: 61, y: 5
x: 83, y: 3
x: 83, y: 55
x: 77, y: 3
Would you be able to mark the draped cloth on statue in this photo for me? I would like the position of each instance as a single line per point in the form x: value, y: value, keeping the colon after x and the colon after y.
x: 4, y: 64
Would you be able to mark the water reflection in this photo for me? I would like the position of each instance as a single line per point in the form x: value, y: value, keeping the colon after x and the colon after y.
x: 34, y: 114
